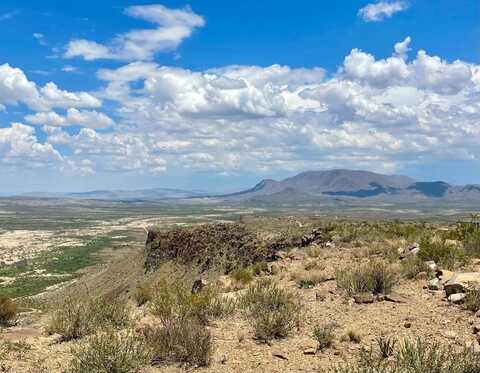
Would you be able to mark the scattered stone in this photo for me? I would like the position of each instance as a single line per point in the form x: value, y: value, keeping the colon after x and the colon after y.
x: 435, y: 284
x: 477, y: 314
x: 432, y: 265
x: 281, y: 254
x: 395, y: 298
x: 457, y: 298
x: 280, y: 354
x: 309, y: 351
x: 364, y: 298
x: 198, y: 285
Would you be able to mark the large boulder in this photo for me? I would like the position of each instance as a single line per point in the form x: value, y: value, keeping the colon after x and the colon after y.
x: 462, y: 282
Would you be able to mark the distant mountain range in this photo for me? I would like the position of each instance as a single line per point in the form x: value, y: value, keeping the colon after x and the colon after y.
x: 353, y: 184
x: 123, y: 195
x: 304, y: 187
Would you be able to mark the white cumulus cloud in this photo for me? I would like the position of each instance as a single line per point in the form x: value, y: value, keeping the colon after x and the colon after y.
x: 173, y: 26
x: 376, y: 12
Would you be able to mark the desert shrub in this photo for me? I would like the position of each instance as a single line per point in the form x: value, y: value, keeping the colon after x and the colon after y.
x: 414, y: 357
x: 76, y: 318
x: 444, y: 255
x: 242, y: 275
x: 175, y: 303
x: 472, y: 243
x: 110, y: 351
x: 472, y: 300
x: 143, y: 294
x: 182, y: 335
x: 412, y: 266
x: 351, y: 336
x: 309, y: 280
x: 376, y: 277
x: 8, y: 310
x: 273, y: 311
x: 324, y: 335
x: 188, y: 342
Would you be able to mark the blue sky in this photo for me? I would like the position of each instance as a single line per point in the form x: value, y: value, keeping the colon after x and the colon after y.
x: 217, y: 95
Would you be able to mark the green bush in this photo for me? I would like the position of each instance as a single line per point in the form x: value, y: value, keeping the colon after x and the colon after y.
x: 412, y: 266
x: 324, y: 335
x: 76, y: 318
x: 109, y: 351
x: 8, y: 310
x: 374, y: 277
x: 446, y: 256
x: 243, y: 275
x: 274, y: 312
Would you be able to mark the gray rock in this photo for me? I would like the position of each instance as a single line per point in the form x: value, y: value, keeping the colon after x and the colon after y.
x: 457, y: 298
x: 435, y: 284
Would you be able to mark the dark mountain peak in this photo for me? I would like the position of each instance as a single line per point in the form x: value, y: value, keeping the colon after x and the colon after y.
x: 435, y: 189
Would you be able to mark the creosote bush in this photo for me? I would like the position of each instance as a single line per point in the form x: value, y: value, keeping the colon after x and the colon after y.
x: 8, y: 310
x: 446, y: 256
x: 273, y: 311
x: 413, y: 357
x: 182, y: 335
x: 412, y: 266
x: 76, y: 318
x: 110, y: 351
x: 374, y: 277
x: 324, y: 335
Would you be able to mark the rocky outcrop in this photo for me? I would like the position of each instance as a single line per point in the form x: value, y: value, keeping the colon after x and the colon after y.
x: 225, y: 246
